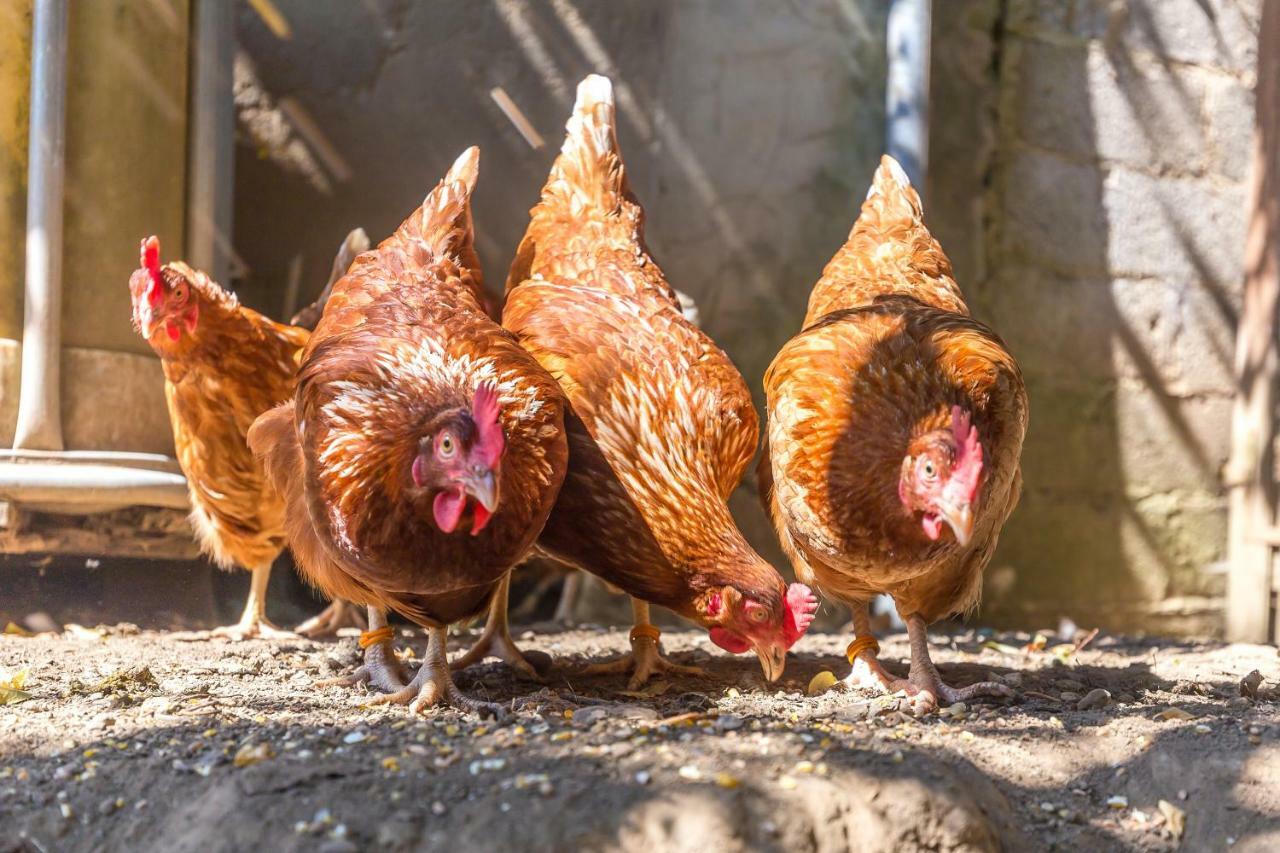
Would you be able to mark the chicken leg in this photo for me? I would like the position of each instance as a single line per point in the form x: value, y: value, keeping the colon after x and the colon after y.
x: 381, y: 669
x: 923, y: 685
x: 433, y: 685
x: 645, y: 659
x: 339, y: 614
x: 253, y: 622
x: 496, y: 641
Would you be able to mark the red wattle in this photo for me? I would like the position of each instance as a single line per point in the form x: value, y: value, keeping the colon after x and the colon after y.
x: 479, y: 518
x: 729, y: 641
x: 447, y: 509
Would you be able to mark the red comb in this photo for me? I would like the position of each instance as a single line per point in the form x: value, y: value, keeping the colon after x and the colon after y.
x: 151, y: 263
x: 968, y: 468
x: 801, y: 605
x: 484, y: 410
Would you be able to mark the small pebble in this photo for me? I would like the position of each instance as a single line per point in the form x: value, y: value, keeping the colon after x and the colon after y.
x: 1118, y: 802
x: 643, y: 777
x: 1096, y: 698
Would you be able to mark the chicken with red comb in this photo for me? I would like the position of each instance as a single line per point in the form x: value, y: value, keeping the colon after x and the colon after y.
x: 423, y: 449
x: 895, y: 432
x: 224, y: 364
x: 661, y: 424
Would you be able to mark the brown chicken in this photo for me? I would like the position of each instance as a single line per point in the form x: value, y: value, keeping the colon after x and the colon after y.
x: 424, y: 448
x: 895, y: 430
x: 224, y: 365
x: 661, y: 425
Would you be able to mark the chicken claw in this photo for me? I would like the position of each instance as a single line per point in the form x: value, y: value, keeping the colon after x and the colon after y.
x: 433, y: 685
x: 381, y: 669
x: 923, y: 686
x: 254, y: 624
x: 496, y: 642
x: 339, y: 614
x: 645, y: 659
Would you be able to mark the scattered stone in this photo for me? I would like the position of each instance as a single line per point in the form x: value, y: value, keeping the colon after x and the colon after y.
x: 729, y: 722
x: 1174, y: 714
x: 1174, y: 817
x: 643, y: 777
x: 251, y: 753
x: 1095, y: 698
x: 1118, y: 802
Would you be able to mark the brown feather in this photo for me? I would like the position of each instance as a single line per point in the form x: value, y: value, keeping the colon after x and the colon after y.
x: 888, y: 349
x: 404, y: 337
x: 662, y: 426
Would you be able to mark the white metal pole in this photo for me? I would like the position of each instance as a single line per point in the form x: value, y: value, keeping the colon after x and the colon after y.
x: 39, y: 405
x: 907, y: 87
x: 212, y: 147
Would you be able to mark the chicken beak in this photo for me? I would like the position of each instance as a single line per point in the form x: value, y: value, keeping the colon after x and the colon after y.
x: 146, y: 321
x: 960, y: 519
x: 773, y: 660
x: 483, y: 486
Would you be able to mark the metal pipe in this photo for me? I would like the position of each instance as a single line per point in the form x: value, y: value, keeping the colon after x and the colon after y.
x: 907, y: 87
x: 211, y: 147
x: 39, y: 404
x: 98, y: 487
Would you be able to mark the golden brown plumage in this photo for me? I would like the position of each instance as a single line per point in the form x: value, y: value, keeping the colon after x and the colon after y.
x: 224, y: 364
x: 424, y: 447
x: 895, y: 430
x: 661, y: 426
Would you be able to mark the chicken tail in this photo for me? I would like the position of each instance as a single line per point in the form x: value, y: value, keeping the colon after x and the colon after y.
x: 589, y: 175
x: 891, y: 200
x: 442, y: 226
x: 356, y: 243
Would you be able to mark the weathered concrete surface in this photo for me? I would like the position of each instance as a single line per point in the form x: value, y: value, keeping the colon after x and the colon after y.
x: 126, y: 158
x: 1105, y: 245
x: 126, y: 172
x: 15, y: 74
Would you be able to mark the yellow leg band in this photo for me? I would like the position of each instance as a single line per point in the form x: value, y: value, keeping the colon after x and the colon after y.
x: 860, y: 645
x: 649, y: 632
x: 380, y: 635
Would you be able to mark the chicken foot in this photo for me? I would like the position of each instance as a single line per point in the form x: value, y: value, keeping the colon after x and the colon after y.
x: 254, y: 624
x: 433, y: 685
x: 381, y: 669
x: 645, y: 659
x: 496, y: 641
x: 339, y: 614
x: 923, y: 685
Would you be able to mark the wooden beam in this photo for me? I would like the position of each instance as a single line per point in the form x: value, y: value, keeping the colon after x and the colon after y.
x: 1251, y: 481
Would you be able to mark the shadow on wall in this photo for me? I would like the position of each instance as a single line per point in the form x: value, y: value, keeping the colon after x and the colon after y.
x: 1113, y: 232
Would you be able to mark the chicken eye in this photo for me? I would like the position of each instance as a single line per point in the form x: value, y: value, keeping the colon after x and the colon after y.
x: 758, y: 614
x: 929, y: 471
x: 447, y: 446
x: 180, y: 293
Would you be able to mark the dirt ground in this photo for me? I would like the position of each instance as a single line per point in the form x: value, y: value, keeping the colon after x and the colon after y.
x: 158, y: 741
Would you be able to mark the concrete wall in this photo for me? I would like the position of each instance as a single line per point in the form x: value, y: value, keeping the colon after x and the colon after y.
x: 1092, y: 192
x: 126, y: 178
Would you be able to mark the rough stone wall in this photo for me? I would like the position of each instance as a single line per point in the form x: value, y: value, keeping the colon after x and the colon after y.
x: 1093, y: 197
